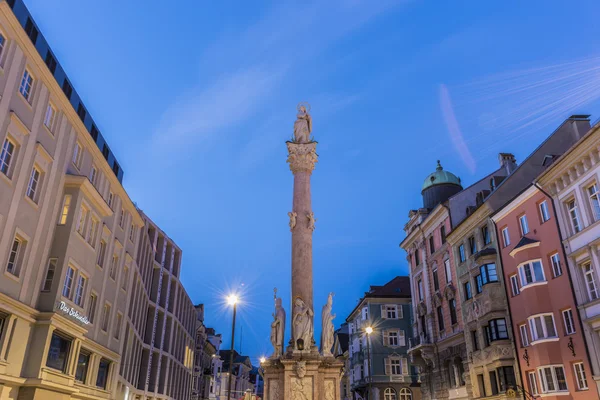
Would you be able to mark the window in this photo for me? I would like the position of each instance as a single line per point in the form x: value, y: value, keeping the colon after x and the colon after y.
x: 391, y: 312
x: 531, y: 272
x: 6, y: 156
x: 13, y: 258
x: 496, y: 330
x: 556, y: 268
x: 440, y: 316
x: 436, y: 281
x: 365, y: 313
x: 26, y: 85
x: 77, y: 155
x: 105, y: 317
x: 50, y: 117
x: 488, y: 273
x: 83, y: 217
x: 553, y: 379
x: 395, y: 365
x: 514, y: 284
x: 82, y: 366
x: 80, y: 290
x: 2, y: 44
x: 125, y: 277
x: 505, y: 237
x: 394, y: 338
x: 93, y: 174
x: 569, y: 321
x: 113, y: 267
x: 544, y: 212
x: 472, y: 245
x: 580, y: 375
x: 475, y: 340
x: 494, y: 383
x: 461, y: 253
x: 389, y: 394
x: 58, y: 352
x: 65, y: 209
x: 443, y: 234
x: 49, y: 275
x: 590, y: 280
x: 92, y: 307
x: 50, y: 62
x: 452, y: 305
x: 105, y: 151
x: 102, y: 373
x: 68, y: 285
x: 417, y: 261
x: 67, y: 89
x: 34, y: 180
x: 448, y: 271
x: 506, y: 376
x: 479, y: 286
x: 524, y: 225
x: 81, y: 112
x: 594, y: 201
x: 93, y: 233
x: 101, y: 254
x: 118, y: 325
x: 132, y: 233
x: 111, y: 197
x: 122, y: 220
x: 542, y: 327
x: 485, y: 234
x: 468, y: 293
x: 481, y: 384
x: 431, y: 245
x: 524, y: 336
x: 574, y: 214
x: 533, y: 387
x: 420, y: 289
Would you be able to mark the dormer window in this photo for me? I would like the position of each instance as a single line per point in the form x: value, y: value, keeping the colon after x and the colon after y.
x: 492, y: 184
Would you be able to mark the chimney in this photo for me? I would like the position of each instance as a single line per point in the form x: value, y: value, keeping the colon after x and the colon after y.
x: 508, y: 161
x: 580, y: 124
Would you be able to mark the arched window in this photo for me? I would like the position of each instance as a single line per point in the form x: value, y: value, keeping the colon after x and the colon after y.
x: 405, y: 394
x: 390, y: 394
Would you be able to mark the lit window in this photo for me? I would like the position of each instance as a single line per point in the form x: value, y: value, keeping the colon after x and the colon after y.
x: 65, y: 209
x: 544, y: 212
x: 26, y: 85
x: 505, y: 237
x: 80, y: 290
x: 590, y: 280
x: 533, y: 387
x: 461, y: 253
x: 569, y: 322
x: 49, y: 275
x: 77, y: 155
x: 6, y: 156
x: 553, y: 379
x: 514, y: 284
x: 542, y: 327
x: 50, y: 117
x: 580, y: 374
x: 524, y: 224
x: 594, y: 201
x: 531, y: 272
x: 13, y: 258
x: 524, y: 336
x: 556, y: 268
x: 448, y: 270
x: 574, y: 214
x: 34, y: 180
x: 68, y: 286
x: 58, y: 352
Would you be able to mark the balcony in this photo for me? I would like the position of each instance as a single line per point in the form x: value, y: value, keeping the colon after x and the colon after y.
x: 420, y: 350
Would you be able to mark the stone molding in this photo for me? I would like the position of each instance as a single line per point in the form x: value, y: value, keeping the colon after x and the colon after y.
x: 302, y: 156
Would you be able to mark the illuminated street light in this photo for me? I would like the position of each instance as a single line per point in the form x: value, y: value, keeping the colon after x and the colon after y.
x: 369, y: 331
x: 262, y: 360
x: 232, y: 300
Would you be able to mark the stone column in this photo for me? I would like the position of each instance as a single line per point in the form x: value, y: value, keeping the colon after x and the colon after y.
x: 302, y: 158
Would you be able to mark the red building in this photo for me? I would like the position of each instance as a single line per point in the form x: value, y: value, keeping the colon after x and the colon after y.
x: 549, y: 337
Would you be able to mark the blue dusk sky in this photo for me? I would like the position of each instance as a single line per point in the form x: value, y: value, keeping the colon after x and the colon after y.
x: 197, y: 99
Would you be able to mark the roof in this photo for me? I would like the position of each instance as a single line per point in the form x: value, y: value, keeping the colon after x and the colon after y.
x: 398, y: 288
x: 440, y: 177
x: 524, y: 242
x: 344, y: 340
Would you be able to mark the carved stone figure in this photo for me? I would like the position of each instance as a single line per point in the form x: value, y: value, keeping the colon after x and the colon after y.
x: 301, y: 369
x: 329, y: 390
x: 301, y: 389
x: 303, y: 124
x: 302, y: 324
x: 311, y: 220
x: 274, y: 390
x: 292, y: 216
x: 278, y: 327
x: 327, y: 329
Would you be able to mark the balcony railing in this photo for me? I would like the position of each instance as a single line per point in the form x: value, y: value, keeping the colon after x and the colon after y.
x: 418, y: 341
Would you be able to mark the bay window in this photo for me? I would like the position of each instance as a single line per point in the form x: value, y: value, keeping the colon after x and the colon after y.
x: 531, y: 272
x: 496, y: 330
x: 542, y: 327
x: 553, y: 379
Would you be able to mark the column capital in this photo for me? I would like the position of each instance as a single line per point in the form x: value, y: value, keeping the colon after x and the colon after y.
x: 302, y: 156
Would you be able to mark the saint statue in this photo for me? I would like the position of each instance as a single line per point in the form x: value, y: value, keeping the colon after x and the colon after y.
x: 302, y: 323
x: 327, y: 330
x: 278, y: 327
x: 303, y: 125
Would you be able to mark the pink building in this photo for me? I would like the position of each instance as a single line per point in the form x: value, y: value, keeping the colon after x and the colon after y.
x: 551, y: 347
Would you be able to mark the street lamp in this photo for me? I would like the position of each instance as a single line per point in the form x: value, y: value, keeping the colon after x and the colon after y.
x: 232, y: 300
x: 369, y: 330
x: 262, y: 360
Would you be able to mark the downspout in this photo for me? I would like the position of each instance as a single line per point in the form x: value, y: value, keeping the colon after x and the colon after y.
x: 564, y: 252
x: 512, y: 325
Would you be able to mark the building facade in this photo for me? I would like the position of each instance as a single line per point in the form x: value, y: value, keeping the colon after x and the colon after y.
x: 83, y: 313
x: 551, y: 346
x: 572, y: 181
x: 340, y: 351
x: 239, y: 374
x: 379, y: 361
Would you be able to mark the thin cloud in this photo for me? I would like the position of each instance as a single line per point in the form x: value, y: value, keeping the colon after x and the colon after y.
x: 456, y: 135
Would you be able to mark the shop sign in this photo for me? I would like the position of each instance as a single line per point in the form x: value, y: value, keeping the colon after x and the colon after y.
x: 71, y: 312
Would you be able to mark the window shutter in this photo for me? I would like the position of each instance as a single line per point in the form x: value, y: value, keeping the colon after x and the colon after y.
x: 404, y: 366
x: 388, y: 366
x: 401, y: 339
x: 383, y: 312
x: 400, y: 311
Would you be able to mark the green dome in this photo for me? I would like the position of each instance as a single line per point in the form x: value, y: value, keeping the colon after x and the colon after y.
x: 440, y: 177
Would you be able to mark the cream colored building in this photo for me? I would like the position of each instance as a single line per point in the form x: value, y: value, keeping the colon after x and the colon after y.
x: 91, y: 306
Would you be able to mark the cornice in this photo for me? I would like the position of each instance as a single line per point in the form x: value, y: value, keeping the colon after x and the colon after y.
x: 84, y: 184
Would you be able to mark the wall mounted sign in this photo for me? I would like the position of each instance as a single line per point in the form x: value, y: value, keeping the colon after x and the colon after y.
x: 71, y: 312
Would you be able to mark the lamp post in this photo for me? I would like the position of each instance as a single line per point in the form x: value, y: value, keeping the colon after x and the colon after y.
x: 231, y: 300
x: 369, y: 330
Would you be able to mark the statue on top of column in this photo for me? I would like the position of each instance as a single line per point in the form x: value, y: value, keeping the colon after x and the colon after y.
x: 277, y: 327
x: 302, y: 324
x: 327, y: 329
x: 303, y: 124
